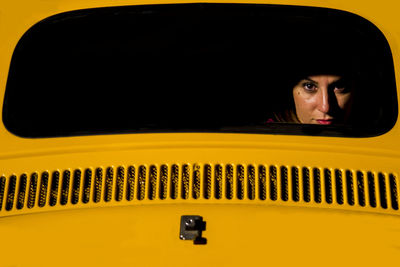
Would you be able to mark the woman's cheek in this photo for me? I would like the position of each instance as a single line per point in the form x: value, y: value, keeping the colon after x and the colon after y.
x: 344, y: 101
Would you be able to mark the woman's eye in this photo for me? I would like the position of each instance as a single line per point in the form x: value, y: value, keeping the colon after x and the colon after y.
x: 340, y: 89
x: 309, y: 86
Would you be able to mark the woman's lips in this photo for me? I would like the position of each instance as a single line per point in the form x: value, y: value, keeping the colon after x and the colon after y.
x: 325, y: 122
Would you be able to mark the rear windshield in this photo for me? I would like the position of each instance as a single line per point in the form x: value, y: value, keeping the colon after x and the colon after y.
x: 201, y: 68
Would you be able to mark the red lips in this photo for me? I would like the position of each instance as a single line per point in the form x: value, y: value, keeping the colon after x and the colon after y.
x: 325, y: 122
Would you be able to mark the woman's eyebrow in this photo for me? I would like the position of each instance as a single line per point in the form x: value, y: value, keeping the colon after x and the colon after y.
x: 310, y: 80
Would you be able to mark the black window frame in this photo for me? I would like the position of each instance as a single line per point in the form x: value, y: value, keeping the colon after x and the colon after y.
x: 271, y: 128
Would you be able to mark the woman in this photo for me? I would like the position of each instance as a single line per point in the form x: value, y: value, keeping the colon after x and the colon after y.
x: 321, y: 84
x: 322, y: 99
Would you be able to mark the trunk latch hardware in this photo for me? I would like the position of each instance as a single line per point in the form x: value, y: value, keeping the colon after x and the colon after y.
x: 192, y: 227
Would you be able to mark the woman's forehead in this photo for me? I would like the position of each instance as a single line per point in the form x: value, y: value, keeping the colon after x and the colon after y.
x: 329, y: 78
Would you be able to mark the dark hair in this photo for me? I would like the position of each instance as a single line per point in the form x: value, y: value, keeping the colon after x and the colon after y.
x: 313, y: 59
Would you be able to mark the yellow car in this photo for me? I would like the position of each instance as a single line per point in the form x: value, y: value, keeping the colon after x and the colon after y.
x: 153, y: 133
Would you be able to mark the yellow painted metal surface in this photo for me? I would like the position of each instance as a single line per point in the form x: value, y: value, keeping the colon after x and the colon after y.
x: 239, y: 231
x: 236, y: 236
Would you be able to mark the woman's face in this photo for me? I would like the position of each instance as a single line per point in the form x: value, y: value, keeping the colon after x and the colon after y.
x: 322, y: 99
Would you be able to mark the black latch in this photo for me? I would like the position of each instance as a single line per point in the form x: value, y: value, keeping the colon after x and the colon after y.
x: 192, y: 227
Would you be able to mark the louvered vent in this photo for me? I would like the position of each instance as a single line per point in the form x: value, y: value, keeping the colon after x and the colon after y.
x: 194, y: 181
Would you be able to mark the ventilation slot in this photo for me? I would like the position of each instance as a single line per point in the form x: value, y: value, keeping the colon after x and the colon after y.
x: 240, y: 181
x: 273, y: 183
x: 141, y: 188
x: 328, y: 186
x: 306, y: 185
x: 130, y: 183
x: 229, y: 181
x: 371, y: 189
x: 164, y: 182
x: 175, y: 182
x: 218, y: 182
x: 54, y: 188
x: 382, y: 190
x: 87, y: 183
x: 76, y: 186
x: 98, y: 182
x: 262, y: 182
x: 207, y: 181
x: 251, y: 182
x: 317, y: 185
x: 119, y: 187
x: 360, y: 189
x: 393, y: 192
x: 44, y: 183
x: 2, y: 190
x: 339, y: 187
x: 11, y: 192
x: 65, y: 187
x: 284, y: 184
x: 152, y: 182
x: 108, y: 184
x: 350, y: 188
x: 295, y: 184
x: 197, y: 181
x: 185, y: 181
x: 32, y: 190
x: 21, y: 191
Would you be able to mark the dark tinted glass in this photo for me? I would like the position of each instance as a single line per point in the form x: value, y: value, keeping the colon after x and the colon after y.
x: 192, y: 68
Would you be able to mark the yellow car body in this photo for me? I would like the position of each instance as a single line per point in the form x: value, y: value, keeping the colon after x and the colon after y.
x: 129, y: 224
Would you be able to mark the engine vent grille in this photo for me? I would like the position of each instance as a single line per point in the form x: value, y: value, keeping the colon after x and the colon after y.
x: 200, y: 181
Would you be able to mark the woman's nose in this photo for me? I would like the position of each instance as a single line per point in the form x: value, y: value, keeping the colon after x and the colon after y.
x: 323, y: 101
